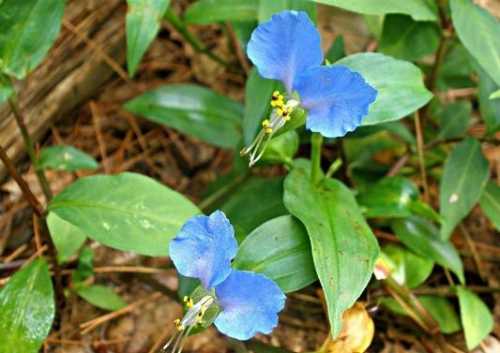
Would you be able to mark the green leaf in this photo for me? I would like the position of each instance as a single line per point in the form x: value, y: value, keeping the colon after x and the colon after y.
x: 495, y: 95
x: 85, y: 267
x: 6, y: 89
x: 256, y: 201
x: 193, y: 110
x: 490, y: 203
x: 28, y: 29
x: 66, y: 158
x: 454, y: 120
x: 66, y: 237
x: 465, y: 175
x: 258, y: 93
x: 142, y: 26
x: 343, y: 247
x: 280, y: 250
x: 479, y: 32
x: 400, y: 85
x: 128, y: 211
x: 102, y: 297
x: 477, y: 320
x: 282, y: 148
x: 267, y: 8
x: 390, y: 197
x: 404, y: 38
x: 420, y: 10
x: 337, y: 50
x: 489, y: 108
x: 410, y: 269
x: 27, y: 309
x: 439, y: 308
x: 422, y: 237
x: 210, y: 11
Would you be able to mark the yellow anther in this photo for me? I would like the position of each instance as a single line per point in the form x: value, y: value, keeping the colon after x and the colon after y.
x: 266, y: 123
x: 178, y: 325
x: 268, y: 130
x: 280, y: 111
x: 188, y: 301
x: 276, y: 95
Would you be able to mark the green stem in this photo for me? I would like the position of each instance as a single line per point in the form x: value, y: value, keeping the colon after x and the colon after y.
x: 197, y: 45
x: 316, y: 143
x: 28, y: 142
x: 334, y: 167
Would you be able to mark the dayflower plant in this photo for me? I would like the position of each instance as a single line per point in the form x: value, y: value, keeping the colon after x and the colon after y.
x: 288, y: 48
x: 249, y: 302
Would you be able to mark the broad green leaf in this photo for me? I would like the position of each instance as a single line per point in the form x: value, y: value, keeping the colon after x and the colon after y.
x: 6, y: 89
x: 390, y: 197
x: 280, y: 250
x: 256, y: 201
x: 439, y: 308
x: 422, y: 237
x: 102, y: 297
x: 409, y: 269
x: 495, y: 95
x: 27, y: 309
x: 193, y: 110
x: 489, y: 108
x: 28, y: 29
x: 66, y: 158
x: 400, y: 85
x: 465, y: 175
x: 128, y: 211
x: 143, y: 23
x: 282, y: 148
x: 457, y: 67
x: 343, y: 247
x: 420, y: 10
x: 258, y: 93
x: 66, y: 237
x: 210, y: 11
x: 454, y: 119
x: 267, y: 8
x: 479, y: 31
x: 490, y: 203
x: 406, y: 39
x: 477, y: 320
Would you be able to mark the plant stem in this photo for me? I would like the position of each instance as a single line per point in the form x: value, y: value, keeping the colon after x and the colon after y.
x: 421, y: 157
x: 316, y: 143
x: 334, y: 167
x: 25, y: 189
x: 28, y: 142
x: 181, y: 27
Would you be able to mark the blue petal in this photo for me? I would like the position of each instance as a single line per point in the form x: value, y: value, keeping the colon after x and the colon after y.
x: 284, y: 46
x: 250, y: 304
x: 204, y: 248
x: 337, y: 99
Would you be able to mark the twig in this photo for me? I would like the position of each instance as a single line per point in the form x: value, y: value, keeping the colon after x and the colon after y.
x: 449, y: 291
x: 88, y: 326
x: 25, y: 189
x: 398, y: 166
x: 15, y: 253
x: 475, y: 254
x: 237, y: 48
x: 98, y: 50
x: 30, y: 148
x: 100, y: 141
x: 421, y: 159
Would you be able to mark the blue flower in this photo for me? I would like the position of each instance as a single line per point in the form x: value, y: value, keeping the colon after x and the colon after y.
x: 249, y: 301
x: 288, y: 48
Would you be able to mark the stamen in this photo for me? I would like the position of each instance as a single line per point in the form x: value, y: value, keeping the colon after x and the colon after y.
x: 193, y: 317
x: 280, y: 114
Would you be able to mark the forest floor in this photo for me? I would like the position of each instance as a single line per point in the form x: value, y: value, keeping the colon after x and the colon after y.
x: 123, y: 142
